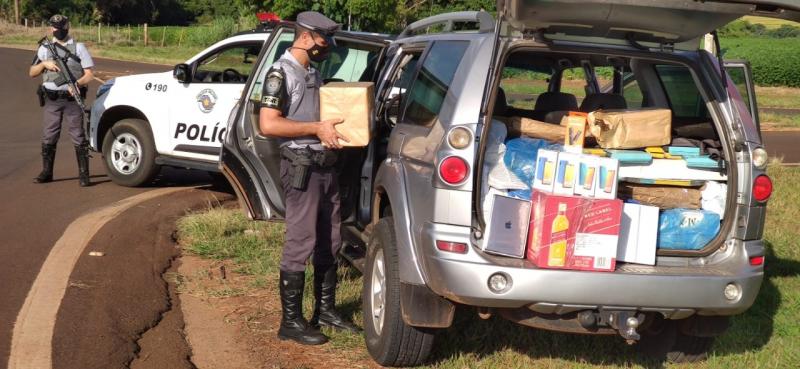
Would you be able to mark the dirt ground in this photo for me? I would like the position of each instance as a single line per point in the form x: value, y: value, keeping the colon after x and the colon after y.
x: 231, y: 325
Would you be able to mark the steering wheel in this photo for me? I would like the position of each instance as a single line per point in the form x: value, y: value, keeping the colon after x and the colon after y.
x: 231, y: 75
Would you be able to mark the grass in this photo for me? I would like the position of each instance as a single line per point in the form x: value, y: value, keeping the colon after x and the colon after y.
x: 780, y: 120
x: 167, y: 45
x: 766, y: 336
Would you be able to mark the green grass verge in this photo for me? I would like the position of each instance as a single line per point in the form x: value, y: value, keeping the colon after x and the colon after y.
x: 780, y: 120
x: 766, y: 336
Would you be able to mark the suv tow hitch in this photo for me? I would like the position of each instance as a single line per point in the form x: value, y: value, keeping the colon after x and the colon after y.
x: 624, y: 322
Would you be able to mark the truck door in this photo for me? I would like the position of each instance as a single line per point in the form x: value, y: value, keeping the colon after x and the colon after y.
x: 200, y: 108
x: 250, y: 160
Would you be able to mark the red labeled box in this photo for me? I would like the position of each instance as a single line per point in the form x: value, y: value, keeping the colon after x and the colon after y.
x: 570, y: 232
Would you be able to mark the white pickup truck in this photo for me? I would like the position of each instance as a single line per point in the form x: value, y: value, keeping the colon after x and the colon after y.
x: 141, y: 122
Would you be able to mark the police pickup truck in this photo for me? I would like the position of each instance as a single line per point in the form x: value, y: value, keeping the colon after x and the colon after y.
x: 144, y: 121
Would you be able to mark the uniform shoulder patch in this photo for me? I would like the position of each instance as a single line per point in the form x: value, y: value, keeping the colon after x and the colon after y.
x: 274, y: 94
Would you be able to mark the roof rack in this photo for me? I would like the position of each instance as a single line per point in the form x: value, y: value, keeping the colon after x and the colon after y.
x: 485, y: 22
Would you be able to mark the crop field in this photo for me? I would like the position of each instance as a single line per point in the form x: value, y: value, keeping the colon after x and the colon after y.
x: 770, y: 22
x: 775, y: 62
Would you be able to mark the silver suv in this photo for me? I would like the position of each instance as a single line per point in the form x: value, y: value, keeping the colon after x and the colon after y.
x: 412, y: 210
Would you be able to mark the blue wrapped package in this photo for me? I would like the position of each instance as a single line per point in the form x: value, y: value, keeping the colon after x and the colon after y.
x: 520, y: 156
x: 686, y: 229
x: 520, y: 194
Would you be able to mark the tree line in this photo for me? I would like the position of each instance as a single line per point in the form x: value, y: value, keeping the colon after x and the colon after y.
x: 363, y: 15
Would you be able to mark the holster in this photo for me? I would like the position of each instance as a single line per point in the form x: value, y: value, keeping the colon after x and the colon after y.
x: 40, y: 94
x: 302, y: 159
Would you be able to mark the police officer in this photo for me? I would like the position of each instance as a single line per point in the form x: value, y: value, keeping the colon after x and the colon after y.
x: 59, y: 103
x: 290, y: 110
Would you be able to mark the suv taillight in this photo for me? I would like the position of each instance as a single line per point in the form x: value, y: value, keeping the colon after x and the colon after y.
x: 762, y: 188
x: 453, y: 170
x: 457, y: 247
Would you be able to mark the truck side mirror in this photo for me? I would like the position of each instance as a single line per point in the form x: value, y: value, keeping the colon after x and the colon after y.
x: 182, y: 73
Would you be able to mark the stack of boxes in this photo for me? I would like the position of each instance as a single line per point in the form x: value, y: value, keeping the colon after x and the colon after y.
x: 576, y: 221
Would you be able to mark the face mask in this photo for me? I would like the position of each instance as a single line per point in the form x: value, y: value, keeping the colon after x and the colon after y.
x: 61, y: 34
x: 318, y: 53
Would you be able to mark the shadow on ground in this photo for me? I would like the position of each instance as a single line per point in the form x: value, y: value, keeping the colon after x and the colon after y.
x: 469, y: 335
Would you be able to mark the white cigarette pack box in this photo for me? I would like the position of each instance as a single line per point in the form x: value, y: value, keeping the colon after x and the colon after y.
x: 545, y: 170
x: 587, y: 171
x: 607, y: 178
x: 638, y: 234
x: 566, y: 173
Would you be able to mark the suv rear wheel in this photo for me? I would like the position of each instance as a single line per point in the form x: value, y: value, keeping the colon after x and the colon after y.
x: 664, y: 340
x: 390, y: 341
x: 130, y: 153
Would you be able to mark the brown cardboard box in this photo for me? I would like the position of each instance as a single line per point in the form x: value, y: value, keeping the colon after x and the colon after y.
x: 630, y: 129
x: 664, y: 197
x: 353, y: 102
x: 533, y: 128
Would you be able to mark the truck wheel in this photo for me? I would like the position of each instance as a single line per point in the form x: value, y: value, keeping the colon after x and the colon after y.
x: 664, y: 341
x: 130, y: 153
x: 390, y: 341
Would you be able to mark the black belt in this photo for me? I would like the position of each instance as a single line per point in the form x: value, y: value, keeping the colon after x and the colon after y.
x: 323, y: 159
x: 58, y: 94
x: 63, y: 94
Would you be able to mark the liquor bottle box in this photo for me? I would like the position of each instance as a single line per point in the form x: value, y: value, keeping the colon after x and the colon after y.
x: 570, y: 232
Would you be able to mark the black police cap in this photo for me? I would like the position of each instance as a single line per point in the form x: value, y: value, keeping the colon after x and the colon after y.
x: 316, y: 22
x: 59, y: 21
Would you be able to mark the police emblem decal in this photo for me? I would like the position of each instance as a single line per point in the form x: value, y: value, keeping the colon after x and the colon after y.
x: 206, y: 100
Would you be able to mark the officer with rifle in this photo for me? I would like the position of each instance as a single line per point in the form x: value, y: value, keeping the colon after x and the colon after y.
x: 66, y: 69
x: 290, y: 110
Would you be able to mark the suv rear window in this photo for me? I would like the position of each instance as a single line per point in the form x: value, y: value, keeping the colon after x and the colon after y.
x: 426, y: 96
x: 684, y: 97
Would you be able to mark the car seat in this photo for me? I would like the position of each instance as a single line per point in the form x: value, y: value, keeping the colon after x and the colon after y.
x: 603, y: 101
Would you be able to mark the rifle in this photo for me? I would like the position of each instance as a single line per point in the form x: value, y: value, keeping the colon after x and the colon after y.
x: 65, y: 75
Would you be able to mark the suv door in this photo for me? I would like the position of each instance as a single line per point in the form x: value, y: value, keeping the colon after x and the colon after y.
x: 636, y: 21
x: 199, y: 108
x: 250, y: 160
x: 741, y: 74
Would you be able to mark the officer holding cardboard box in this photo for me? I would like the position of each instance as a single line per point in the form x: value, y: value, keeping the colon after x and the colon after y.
x: 290, y: 110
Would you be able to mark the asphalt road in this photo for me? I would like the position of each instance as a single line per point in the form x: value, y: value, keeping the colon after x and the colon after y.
x: 34, y: 216
x: 783, y: 144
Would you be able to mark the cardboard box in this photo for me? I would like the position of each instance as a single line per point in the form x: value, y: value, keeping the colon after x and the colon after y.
x: 569, y: 232
x: 607, y: 178
x: 353, y: 102
x: 638, y: 234
x: 587, y: 176
x: 507, y: 229
x: 566, y: 173
x: 546, y: 161
x: 519, y: 126
x: 630, y: 129
x: 664, y: 197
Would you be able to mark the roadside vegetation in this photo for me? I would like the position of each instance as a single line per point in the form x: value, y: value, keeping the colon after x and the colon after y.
x: 765, y: 336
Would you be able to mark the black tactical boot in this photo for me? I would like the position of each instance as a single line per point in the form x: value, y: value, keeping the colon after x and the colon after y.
x: 293, y: 325
x: 82, y: 153
x: 48, y: 157
x: 325, y: 300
